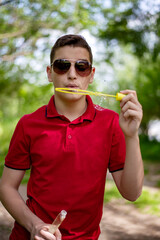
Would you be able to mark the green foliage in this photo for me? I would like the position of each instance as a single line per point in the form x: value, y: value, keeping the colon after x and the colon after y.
x: 142, y: 76
x: 148, y: 202
x: 28, y: 26
x: 158, y: 184
x: 148, y: 90
x: 26, y: 177
x: 135, y: 26
x: 27, y: 99
x: 23, y: 23
x: 132, y: 22
x: 27, y: 33
x: 150, y: 149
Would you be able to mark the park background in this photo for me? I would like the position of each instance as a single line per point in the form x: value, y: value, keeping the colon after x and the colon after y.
x: 125, y: 38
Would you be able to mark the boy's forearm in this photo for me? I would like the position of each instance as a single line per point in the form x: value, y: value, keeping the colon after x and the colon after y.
x: 133, y: 173
x: 16, y: 206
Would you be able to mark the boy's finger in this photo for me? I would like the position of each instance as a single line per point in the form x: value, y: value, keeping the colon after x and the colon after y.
x: 58, y: 235
x: 38, y: 238
x: 47, y: 235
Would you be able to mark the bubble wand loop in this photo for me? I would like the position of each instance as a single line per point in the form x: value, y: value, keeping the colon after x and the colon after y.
x: 118, y: 96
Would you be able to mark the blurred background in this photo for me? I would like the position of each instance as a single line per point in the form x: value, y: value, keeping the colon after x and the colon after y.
x: 125, y: 39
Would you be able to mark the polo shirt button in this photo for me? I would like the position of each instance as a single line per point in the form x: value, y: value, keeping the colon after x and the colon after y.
x: 69, y: 136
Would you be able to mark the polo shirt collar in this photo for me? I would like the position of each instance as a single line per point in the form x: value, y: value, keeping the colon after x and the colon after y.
x: 89, y: 114
x: 51, y: 111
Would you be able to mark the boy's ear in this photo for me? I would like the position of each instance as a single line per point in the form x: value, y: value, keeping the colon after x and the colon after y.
x: 49, y: 73
x: 92, y: 75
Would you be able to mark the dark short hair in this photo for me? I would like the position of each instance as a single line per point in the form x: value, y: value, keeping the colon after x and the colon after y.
x: 71, y: 40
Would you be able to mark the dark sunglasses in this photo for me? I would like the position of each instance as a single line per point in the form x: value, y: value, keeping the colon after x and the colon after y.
x: 61, y: 66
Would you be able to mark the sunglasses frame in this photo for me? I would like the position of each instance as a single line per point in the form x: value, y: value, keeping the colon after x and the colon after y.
x: 82, y: 73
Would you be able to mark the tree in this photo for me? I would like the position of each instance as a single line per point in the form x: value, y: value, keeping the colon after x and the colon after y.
x: 134, y: 22
x: 23, y: 23
x: 135, y: 25
x: 25, y: 32
x: 148, y: 90
x: 28, y: 29
x: 28, y: 26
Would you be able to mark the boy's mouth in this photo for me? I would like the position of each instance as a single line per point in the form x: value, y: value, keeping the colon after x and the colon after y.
x: 70, y: 87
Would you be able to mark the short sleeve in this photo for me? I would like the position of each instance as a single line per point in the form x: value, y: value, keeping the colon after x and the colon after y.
x: 118, y: 147
x: 18, y: 156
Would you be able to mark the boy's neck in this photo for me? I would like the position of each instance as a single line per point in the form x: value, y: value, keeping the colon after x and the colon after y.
x: 71, y: 109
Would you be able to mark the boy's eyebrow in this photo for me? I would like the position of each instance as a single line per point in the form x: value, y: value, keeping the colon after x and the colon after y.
x: 84, y: 59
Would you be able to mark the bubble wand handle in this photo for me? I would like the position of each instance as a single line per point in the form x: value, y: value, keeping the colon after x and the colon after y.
x: 118, y: 96
x: 57, y: 222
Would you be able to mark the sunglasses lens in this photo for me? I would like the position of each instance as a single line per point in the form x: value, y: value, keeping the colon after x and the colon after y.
x: 83, y: 68
x: 61, y: 66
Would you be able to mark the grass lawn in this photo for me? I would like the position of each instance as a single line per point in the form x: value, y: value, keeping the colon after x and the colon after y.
x: 148, y: 202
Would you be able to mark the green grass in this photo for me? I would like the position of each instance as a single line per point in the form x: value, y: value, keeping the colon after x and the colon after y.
x: 148, y: 202
x: 146, y: 171
x: 111, y: 192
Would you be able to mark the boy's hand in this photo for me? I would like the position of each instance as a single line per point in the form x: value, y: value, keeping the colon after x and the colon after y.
x: 131, y: 114
x: 41, y: 232
x: 49, y: 231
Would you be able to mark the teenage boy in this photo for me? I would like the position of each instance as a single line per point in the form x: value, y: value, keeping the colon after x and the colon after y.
x: 69, y: 144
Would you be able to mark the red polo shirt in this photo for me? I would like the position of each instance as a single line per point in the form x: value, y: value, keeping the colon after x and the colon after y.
x: 68, y: 162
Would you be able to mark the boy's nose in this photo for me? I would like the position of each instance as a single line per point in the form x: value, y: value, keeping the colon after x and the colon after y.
x: 72, y: 74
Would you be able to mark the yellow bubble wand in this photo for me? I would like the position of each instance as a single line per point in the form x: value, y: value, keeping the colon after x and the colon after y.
x: 118, y: 96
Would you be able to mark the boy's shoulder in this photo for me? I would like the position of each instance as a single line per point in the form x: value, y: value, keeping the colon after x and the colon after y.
x: 37, y: 114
